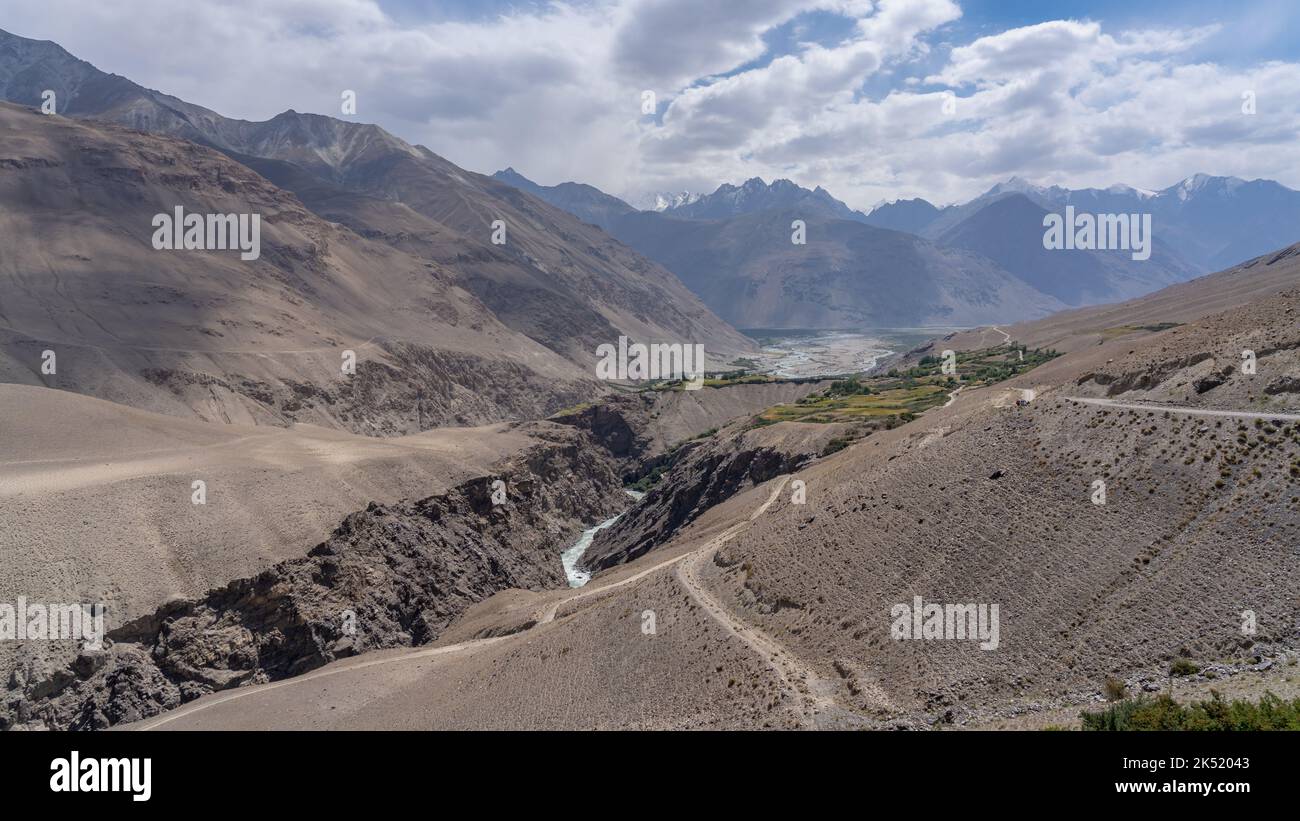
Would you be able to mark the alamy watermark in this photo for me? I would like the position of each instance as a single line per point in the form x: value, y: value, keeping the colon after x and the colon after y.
x: 954, y: 622
x: 209, y: 232
x: 1099, y: 232
x: 35, y: 621
x: 126, y: 775
x: 657, y: 360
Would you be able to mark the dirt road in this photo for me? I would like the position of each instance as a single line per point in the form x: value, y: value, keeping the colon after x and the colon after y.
x: 807, y: 690
x: 1231, y: 414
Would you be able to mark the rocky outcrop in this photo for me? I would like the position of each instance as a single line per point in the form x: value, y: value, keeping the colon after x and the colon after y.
x: 1283, y: 384
x: 621, y: 424
x: 1145, y: 377
x: 413, y: 388
x: 390, y: 575
x: 642, y: 429
x: 706, y: 473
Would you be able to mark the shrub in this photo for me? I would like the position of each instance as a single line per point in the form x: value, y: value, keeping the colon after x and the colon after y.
x: 836, y: 445
x: 1163, y: 713
x: 1115, y: 689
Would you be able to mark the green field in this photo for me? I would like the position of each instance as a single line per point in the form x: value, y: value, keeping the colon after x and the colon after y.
x: 898, y: 396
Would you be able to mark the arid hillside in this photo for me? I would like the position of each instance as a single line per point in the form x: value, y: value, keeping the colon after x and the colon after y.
x: 211, y: 335
x: 762, y: 612
x: 165, y: 509
x: 121, y: 521
x: 540, y: 271
x: 1113, y: 325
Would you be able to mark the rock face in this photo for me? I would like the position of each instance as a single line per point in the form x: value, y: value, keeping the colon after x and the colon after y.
x: 1285, y: 384
x: 210, y: 335
x: 619, y: 423
x: 390, y: 575
x: 564, y: 285
x: 639, y: 430
x: 1204, y: 364
x: 704, y: 474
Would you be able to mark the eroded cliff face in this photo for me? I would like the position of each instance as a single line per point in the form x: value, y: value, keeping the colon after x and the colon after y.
x: 408, y: 388
x: 322, y: 325
x: 620, y: 423
x: 390, y: 575
x: 705, y: 473
x: 641, y: 430
x: 1244, y: 358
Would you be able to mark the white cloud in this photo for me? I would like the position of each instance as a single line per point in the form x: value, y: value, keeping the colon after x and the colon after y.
x: 555, y: 91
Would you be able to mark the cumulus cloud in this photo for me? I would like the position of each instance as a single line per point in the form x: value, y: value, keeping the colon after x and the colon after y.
x: 554, y: 89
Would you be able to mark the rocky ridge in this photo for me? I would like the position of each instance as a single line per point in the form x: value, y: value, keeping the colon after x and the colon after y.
x: 389, y: 576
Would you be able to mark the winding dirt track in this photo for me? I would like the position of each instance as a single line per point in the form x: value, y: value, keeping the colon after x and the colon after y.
x: 809, y: 693
x: 1112, y: 403
x: 123, y: 346
x: 805, y: 688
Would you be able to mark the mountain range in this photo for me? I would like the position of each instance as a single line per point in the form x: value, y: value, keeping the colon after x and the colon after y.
x: 1214, y: 222
x: 847, y: 275
x: 425, y: 276
x: 977, y: 262
x: 264, y: 566
x: 755, y: 195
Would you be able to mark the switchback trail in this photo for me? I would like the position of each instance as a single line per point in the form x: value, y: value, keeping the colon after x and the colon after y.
x: 1232, y: 414
x: 803, y: 684
x: 809, y: 693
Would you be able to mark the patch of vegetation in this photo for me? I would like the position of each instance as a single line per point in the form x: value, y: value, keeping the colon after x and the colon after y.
x: 1216, y: 714
x: 848, y: 387
x: 1121, y: 330
x: 1115, y: 689
x: 900, y: 395
x: 570, y: 411
x: 669, y: 460
x: 838, y: 444
x: 651, y: 479
x: 1159, y: 326
x: 724, y: 379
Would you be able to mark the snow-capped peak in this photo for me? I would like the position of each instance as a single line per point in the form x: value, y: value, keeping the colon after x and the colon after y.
x: 1121, y: 188
x: 664, y: 201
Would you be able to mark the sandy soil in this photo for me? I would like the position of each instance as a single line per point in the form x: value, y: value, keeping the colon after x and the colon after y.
x: 96, y: 498
x: 773, y: 614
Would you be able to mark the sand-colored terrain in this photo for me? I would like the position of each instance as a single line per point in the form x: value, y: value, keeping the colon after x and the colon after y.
x: 981, y: 501
x: 1254, y: 281
x: 96, y: 499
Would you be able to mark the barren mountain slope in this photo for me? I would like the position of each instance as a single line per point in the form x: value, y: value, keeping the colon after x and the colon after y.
x: 847, y: 275
x: 1009, y: 231
x: 982, y: 502
x: 1256, y: 280
x: 87, y: 515
x: 390, y: 575
x: 704, y: 473
x: 564, y: 283
x: 994, y: 504
x: 588, y: 204
x: 209, y: 334
x: 91, y: 517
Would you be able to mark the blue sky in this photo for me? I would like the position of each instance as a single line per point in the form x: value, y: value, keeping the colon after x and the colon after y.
x: 1258, y: 30
x: 873, y: 100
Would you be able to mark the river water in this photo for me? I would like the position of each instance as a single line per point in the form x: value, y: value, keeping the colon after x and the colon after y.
x: 825, y: 354
x: 569, y: 558
x: 793, y: 354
